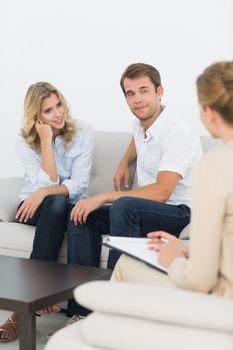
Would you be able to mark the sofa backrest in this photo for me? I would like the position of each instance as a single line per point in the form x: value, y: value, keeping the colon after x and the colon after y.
x: 108, y: 151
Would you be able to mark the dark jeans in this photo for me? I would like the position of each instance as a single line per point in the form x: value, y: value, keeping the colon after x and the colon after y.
x: 128, y: 216
x: 50, y: 220
x: 84, y: 247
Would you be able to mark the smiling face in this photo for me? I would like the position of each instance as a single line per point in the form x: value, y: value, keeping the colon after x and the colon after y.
x: 143, y: 99
x: 52, y: 112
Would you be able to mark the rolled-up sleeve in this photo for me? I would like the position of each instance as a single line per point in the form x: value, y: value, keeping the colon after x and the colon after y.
x: 31, y: 162
x: 77, y: 183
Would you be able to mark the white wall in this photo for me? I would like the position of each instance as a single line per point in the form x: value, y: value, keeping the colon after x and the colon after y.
x: 82, y: 47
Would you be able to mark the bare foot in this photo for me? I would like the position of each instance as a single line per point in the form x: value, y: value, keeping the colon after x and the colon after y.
x: 9, y: 331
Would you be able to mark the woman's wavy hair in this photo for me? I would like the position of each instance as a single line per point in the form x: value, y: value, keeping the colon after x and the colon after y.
x: 32, y: 108
x: 215, y: 89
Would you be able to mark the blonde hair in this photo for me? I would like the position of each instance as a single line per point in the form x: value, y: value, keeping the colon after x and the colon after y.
x: 32, y: 107
x: 215, y: 89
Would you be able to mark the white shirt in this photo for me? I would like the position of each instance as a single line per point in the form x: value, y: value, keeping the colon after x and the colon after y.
x: 170, y: 145
x: 73, y: 164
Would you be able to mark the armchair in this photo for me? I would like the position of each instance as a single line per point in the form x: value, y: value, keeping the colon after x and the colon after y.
x: 137, y: 316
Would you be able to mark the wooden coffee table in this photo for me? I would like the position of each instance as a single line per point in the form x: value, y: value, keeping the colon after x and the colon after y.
x: 30, y: 285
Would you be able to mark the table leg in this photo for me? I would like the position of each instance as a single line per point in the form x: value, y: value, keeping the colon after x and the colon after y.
x: 27, y: 337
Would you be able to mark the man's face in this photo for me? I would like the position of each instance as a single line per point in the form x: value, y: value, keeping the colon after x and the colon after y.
x: 143, y: 99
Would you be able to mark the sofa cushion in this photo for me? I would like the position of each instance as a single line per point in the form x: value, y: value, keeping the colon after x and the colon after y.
x: 16, y: 240
x: 9, y: 199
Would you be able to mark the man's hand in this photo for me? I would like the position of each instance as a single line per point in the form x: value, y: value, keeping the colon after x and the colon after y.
x: 122, y: 174
x: 29, y: 206
x: 168, y: 246
x: 84, y: 207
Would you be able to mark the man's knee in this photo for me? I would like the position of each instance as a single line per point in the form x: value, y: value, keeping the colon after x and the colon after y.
x: 124, y: 203
x: 75, y: 230
x: 121, y: 216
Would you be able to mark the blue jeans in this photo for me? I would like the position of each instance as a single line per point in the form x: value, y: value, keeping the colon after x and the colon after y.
x: 135, y: 217
x: 50, y: 220
x: 84, y: 247
x: 128, y: 216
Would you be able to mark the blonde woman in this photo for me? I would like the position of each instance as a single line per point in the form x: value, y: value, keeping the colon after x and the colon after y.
x: 206, y: 266
x: 56, y: 153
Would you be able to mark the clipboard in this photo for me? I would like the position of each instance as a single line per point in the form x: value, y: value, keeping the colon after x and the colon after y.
x: 136, y: 248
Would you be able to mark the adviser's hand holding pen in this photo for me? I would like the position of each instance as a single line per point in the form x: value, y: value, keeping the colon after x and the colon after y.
x: 168, y: 246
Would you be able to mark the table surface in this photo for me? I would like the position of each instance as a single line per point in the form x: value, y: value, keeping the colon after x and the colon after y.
x: 29, y: 285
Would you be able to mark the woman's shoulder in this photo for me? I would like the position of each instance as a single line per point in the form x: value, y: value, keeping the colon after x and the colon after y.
x: 223, y: 150
x: 22, y: 148
x: 21, y: 142
x: 82, y: 127
x: 84, y: 135
x: 218, y: 157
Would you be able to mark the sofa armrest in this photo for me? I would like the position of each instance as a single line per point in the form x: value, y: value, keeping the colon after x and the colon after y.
x: 9, y: 197
x: 156, y: 303
x: 185, y: 233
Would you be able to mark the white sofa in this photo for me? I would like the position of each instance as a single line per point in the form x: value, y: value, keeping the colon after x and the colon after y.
x: 16, y: 239
x: 131, y: 316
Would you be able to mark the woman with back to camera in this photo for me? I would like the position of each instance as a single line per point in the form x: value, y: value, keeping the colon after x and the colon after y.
x: 206, y: 266
x: 56, y: 153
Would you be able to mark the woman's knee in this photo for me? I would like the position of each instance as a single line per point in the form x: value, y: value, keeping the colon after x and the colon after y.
x: 56, y: 204
x: 119, y: 269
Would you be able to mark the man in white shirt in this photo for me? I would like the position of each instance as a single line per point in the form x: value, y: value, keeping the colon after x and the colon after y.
x: 165, y: 149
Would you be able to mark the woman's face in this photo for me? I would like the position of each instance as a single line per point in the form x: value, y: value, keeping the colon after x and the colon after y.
x: 52, y: 112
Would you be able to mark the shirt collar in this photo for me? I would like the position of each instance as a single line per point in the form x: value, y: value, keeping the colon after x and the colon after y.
x: 155, y: 128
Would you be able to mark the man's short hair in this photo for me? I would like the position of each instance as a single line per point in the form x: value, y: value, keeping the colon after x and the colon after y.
x: 137, y: 70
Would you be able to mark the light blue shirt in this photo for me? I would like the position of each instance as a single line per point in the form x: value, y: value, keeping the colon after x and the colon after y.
x: 73, y: 164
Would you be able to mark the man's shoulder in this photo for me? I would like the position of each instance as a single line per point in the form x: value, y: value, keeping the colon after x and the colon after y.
x: 180, y: 135
x: 176, y: 125
x: 176, y: 120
